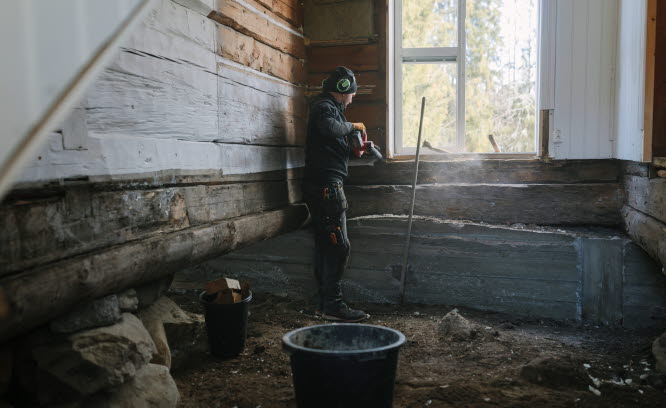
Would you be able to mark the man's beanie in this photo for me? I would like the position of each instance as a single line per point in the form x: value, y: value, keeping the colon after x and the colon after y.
x: 341, y: 80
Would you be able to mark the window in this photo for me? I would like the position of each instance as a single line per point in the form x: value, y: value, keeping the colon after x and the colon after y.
x: 475, y: 61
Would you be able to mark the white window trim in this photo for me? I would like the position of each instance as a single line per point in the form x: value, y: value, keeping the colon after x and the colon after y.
x: 397, y: 56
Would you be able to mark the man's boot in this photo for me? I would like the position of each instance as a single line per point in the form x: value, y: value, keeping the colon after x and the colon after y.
x: 335, y: 309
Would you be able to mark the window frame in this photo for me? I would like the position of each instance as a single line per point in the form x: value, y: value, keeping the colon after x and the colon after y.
x: 398, y: 56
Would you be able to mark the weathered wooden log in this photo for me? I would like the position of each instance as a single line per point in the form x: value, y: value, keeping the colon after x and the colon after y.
x: 247, y: 51
x: 260, y: 26
x: 290, y: 10
x: 647, y: 195
x: 80, y: 219
x: 648, y: 232
x: 39, y: 295
x: 488, y: 171
x: 541, y: 204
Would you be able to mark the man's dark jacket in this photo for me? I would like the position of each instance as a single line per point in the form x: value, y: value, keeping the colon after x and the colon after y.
x: 327, y: 149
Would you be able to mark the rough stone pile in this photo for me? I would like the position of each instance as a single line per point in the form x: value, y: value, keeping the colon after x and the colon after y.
x: 115, y: 351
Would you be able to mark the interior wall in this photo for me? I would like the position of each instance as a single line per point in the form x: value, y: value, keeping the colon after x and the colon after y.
x: 630, y: 80
x: 584, y: 79
x: 189, y: 145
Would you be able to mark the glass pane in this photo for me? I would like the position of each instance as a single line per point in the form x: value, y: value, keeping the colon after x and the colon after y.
x: 437, y: 82
x: 500, y: 75
x: 429, y: 23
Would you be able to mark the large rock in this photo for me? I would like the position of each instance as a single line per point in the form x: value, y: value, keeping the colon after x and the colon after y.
x: 179, y: 336
x: 659, y: 352
x: 456, y: 327
x: 555, y: 372
x: 100, y: 312
x: 128, y: 301
x: 92, y: 360
x: 151, y: 387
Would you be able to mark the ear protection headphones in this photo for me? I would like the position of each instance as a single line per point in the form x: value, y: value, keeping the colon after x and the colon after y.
x: 344, y: 83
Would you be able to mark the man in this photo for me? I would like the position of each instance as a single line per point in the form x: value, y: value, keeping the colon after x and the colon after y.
x: 327, y: 153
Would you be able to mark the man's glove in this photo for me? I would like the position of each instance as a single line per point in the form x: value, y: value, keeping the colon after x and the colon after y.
x: 359, y: 126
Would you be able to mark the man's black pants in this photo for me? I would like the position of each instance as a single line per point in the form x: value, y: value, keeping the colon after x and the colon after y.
x: 328, y: 206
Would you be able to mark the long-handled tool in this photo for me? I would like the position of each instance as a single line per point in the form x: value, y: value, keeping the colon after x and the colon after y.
x: 405, y: 254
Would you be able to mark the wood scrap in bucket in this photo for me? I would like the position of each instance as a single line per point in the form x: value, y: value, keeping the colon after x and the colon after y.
x: 226, y: 291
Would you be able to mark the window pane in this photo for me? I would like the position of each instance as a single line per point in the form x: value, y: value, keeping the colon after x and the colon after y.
x: 429, y: 23
x: 500, y: 75
x: 437, y: 82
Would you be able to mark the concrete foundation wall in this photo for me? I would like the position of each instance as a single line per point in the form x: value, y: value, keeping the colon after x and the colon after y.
x: 597, y: 276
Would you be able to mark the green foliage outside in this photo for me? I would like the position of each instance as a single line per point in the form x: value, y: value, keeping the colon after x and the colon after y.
x: 500, y: 74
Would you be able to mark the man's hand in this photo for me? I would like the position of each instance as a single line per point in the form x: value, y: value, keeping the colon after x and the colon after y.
x: 360, y: 126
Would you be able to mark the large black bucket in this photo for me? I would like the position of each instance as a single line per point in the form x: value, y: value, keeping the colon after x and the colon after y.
x: 344, y: 365
x: 226, y: 326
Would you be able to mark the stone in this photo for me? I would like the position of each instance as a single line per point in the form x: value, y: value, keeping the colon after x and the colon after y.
x: 128, y: 301
x: 456, y: 327
x: 183, y: 333
x: 152, y: 386
x: 659, y: 352
x: 100, y: 312
x: 555, y: 372
x: 95, y: 359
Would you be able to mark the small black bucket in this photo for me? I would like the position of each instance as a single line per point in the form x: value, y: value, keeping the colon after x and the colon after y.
x: 344, y: 365
x: 226, y: 326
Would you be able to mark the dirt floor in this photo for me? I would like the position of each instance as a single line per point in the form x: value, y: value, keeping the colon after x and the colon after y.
x: 483, y: 370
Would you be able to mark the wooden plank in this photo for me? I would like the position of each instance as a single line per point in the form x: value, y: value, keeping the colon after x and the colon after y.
x: 371, y: 86
x: 122, y: 157
x: 247, y: 51
x: 354, y: 57
x: 649, y: 233
x: 647, y: 195
x: 650, y: 49
x: 290, y: 10
x: 568, y: 204
x: 487, y: 171
x: 372, y: 115
x: 259, y: 26
x: 258, y: 110
x: 46, y: 292
x: 88, y: 220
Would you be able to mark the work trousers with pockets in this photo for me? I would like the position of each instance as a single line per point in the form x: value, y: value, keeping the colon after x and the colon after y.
x: 328, y: 206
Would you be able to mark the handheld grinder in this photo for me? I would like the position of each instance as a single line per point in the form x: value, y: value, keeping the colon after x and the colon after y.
x: 361, y: 145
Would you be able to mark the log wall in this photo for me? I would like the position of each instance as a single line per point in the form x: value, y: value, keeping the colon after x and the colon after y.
x: 189, y: 145
x: 644, y: 213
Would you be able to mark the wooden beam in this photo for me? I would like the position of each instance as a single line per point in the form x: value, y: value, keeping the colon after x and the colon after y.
x: 566, y: 204
x: 35, y: 297
x: 647, y: 232
x: 354, y: 57
x: 89, y: 220
x: 488, y: 172
x: 260, y: 26
x: 647, y: 195
x: 290, y: 10
x: 247, y: 51
x: 650, y: 48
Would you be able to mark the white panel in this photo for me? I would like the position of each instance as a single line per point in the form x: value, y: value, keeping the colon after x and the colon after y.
x: 584, y: 79
x: 631, y: 79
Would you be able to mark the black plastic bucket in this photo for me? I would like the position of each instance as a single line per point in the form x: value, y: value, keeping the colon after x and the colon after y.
x: 226, y: 326
x: 344, y: 365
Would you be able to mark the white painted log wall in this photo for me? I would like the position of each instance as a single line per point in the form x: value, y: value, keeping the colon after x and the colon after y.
x: 584, y: 79
x: 629, y: 110
x: 168, y: 102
